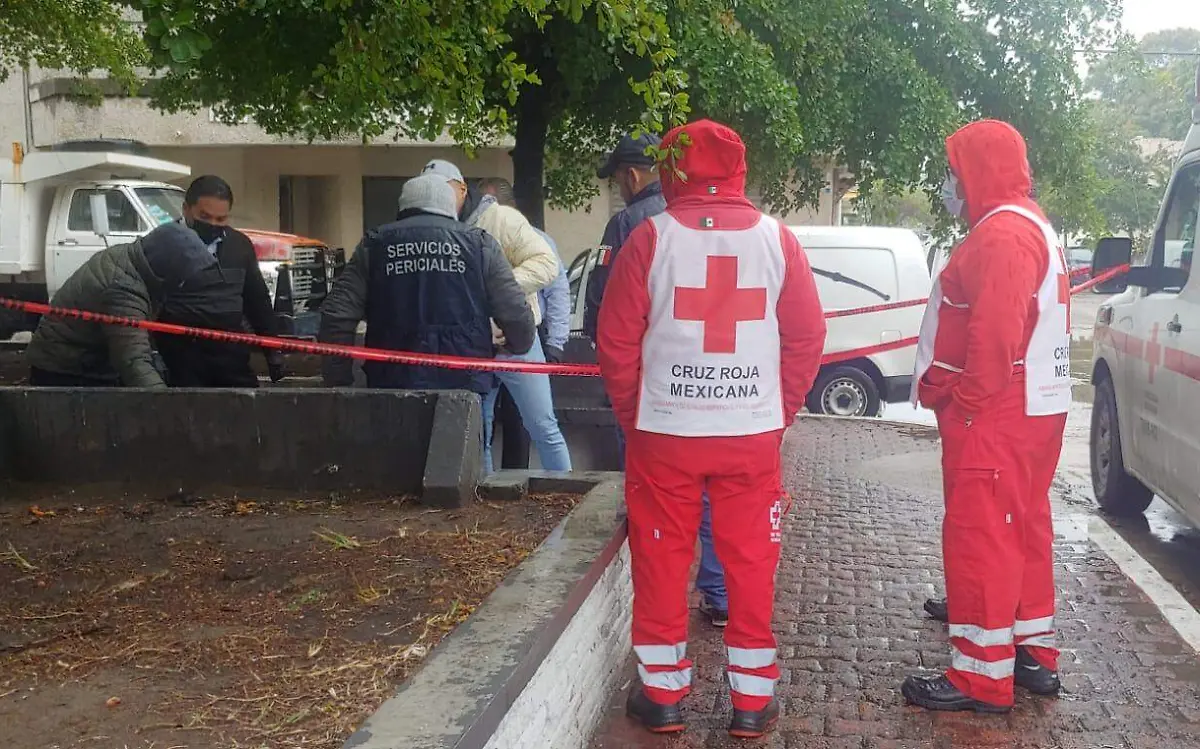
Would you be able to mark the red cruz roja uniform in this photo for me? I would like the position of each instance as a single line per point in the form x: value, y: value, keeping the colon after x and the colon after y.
x: 993, y: 362
x: 710, y: 336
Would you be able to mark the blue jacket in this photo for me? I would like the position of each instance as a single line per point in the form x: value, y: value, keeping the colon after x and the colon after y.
x: 427, y: 284
x: 555, y: 302
x: 649, y: 202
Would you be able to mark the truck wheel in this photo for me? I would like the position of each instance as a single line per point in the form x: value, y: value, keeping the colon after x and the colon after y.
x: 844, y: 391
x: 1116, y: 491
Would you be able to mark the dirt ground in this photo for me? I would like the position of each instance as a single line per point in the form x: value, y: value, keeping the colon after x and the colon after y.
x: 259, y: 620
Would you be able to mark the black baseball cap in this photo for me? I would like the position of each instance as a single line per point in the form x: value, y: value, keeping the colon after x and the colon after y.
x: 630, y: 151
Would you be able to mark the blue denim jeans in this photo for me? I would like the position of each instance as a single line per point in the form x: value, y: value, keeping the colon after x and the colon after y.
x: 531, y: 393
x: 710, y: 578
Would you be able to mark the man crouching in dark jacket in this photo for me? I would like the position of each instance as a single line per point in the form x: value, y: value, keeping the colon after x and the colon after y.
x: 128, y: 280
x: 426, y: 283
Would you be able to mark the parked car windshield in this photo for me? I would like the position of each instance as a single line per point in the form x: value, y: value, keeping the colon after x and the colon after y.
x: 164, y: 204
x: 1080, y: 256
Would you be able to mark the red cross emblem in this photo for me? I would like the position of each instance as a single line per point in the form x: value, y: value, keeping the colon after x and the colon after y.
x: 1154, y: 352
x: 720, y: 305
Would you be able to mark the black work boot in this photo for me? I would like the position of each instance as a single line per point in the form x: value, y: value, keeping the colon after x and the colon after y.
x: 750, y: 724
x: 654, y: 717
x: 939, y: 693
x: 1033, y: 676
x: 936, y: 608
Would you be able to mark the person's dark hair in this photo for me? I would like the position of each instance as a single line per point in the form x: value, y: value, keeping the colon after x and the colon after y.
x: 208, y: 186
x: 499, y: 187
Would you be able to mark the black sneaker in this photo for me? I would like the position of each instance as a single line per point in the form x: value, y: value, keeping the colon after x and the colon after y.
x: 939, y: 693
x: 654, y: 717
x: 717, y: 617
x: 1034, y: 677
x: 747, y: 724
x: 936, y: 608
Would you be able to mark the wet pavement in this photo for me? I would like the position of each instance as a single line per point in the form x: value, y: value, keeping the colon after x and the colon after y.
x: 862, y: 552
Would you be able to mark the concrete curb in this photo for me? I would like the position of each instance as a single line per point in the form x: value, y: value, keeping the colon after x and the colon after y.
x: 535, y: 664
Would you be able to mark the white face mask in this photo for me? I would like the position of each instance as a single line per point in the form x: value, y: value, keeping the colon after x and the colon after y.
x: 954, y: 204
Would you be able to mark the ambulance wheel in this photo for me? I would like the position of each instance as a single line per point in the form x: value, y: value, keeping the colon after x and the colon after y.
x: 844, y: 391
x: 1116, y: 491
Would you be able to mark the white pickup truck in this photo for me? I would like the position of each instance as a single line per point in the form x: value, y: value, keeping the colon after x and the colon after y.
x: 58, y: 207
x: 1145, y: 437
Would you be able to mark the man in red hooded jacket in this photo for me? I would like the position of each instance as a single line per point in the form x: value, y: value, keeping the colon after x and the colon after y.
x: 710, y: 337
x: 993, y: 362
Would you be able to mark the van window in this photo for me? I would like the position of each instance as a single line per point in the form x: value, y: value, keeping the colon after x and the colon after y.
x: 122, y: 216
x: 862, y: 267
x: 1179, y: 228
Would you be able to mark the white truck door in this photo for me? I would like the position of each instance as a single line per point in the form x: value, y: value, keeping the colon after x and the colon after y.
x: 1162, y: 397
x: 73, y: 237
x: 1181, y: 353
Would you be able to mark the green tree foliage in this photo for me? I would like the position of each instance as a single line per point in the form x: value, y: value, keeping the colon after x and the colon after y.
x: 79, y: 35
x: 874, y: 84
x: 1155, y: 91
x: 908, y: 209
x: 1141, y: 94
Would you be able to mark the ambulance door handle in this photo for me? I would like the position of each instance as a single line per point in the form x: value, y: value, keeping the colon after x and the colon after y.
x: 1174, y: 326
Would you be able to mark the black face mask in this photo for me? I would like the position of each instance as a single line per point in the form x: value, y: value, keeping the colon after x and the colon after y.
x: 207, y: 232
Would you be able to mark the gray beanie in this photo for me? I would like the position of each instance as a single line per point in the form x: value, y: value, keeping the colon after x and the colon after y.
x: 431, y: 194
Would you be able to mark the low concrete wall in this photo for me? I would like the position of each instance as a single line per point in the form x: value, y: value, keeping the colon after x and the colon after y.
x: 535, y: 665
x: 274, y: 438
x: 565, y: 700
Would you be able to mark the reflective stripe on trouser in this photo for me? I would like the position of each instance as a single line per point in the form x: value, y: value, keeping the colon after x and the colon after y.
x: 665, y: 669
x: 665, y: 477
x: 752, y: 673
x: 997, y: 474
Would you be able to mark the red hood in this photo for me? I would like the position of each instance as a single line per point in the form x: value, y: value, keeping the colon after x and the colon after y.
x: 712, y: 164
x: 990, y: 160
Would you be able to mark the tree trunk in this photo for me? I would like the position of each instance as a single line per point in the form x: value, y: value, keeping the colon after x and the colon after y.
x: 529, y: 154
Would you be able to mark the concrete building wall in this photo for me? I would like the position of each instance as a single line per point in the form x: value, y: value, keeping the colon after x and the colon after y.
x: 327, y: 178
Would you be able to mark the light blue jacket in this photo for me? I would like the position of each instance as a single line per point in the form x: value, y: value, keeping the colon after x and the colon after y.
x: 555, y: 301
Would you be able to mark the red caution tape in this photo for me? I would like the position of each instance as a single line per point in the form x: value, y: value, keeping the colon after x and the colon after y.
x: 1108, y: 275
x: 305, y: 347
x: 877, y: 308
x: 459, y: 362
x: 858, y: 353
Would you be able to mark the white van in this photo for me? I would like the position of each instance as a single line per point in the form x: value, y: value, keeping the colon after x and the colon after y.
x: 854, y: 266
x: 864, y: 266
x: 1145, y: 436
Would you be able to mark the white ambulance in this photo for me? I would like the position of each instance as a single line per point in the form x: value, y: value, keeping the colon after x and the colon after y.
x: 854, y: 267
x: 1145, y: 437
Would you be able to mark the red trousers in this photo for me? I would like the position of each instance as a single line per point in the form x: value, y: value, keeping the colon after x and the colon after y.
x: 997, y: 540
x: 664, y: 480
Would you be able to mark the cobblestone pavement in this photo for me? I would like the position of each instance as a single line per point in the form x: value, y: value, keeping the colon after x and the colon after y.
x: 861, y: 554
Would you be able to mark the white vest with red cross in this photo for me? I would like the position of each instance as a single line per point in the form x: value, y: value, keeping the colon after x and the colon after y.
x: 1047, y: 360
x: 710, y: 357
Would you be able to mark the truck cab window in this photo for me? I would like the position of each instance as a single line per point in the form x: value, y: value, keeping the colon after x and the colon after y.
x: 122, y: 216
x: 1179, y: 228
